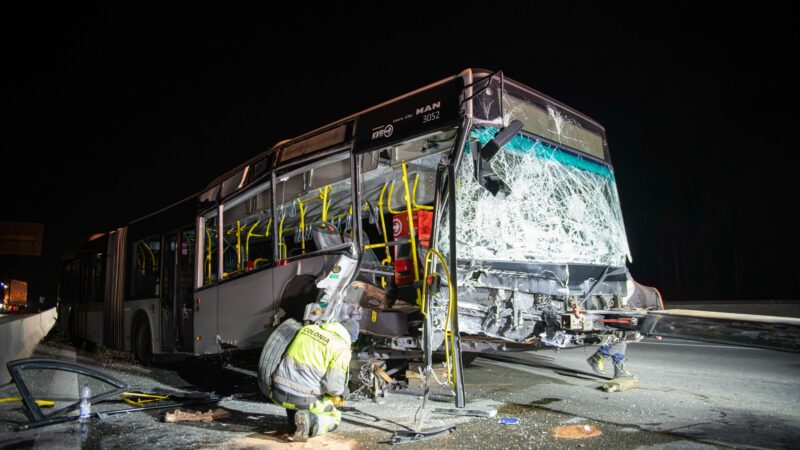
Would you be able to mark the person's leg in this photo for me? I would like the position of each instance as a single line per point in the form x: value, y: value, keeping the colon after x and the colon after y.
x: 290, y: 413
x: 325, y: 417
x: 598, y: 358
x: 617, y: 352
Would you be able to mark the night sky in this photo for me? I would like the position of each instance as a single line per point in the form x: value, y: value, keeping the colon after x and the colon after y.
x: 110, y: 114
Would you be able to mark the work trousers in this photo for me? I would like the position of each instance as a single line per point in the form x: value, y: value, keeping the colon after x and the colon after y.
x: 616, y: 351
x: 324, y: 415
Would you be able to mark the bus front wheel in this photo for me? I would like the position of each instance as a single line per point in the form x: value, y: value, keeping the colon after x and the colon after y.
x: 142, y: 349
x: 273, y: 351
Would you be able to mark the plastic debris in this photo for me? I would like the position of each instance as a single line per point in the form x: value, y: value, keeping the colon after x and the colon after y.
x: 508, y: 421
x: 583, y: 431
x: 86, y: 404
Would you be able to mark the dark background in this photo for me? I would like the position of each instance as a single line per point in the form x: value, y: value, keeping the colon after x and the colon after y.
x: 111, y: 114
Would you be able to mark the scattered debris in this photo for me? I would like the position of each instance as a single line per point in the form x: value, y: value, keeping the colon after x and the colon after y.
x: 415, y: 378
x: 43, y: 403
x: 406, y: 437
x: 466, y: 412
x: 378, y: 371
x: 192, y: 416
x: 508, y: 421
x: 113, y: 390
x: 621, y: 384
x: 576, y: 431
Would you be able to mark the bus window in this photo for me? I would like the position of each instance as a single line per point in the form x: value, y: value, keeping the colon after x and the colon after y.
x: 145, y: 260
x: 318, y: 193
x: 209, y: 245
x: 246, y: 232
x: 384, y: 191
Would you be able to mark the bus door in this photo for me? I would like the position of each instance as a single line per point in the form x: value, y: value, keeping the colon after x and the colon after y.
x: 169, y: 291
x: 184, y: 306
x: 177, y: 325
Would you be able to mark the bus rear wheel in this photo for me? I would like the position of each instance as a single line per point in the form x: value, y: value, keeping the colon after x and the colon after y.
x: 142, y: 348
x: 273, y: 351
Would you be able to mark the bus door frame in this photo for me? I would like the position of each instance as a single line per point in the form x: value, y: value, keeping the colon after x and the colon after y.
x: 173, y: 331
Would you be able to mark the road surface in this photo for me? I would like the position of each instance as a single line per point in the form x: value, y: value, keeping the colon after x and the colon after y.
x: 691, y: 396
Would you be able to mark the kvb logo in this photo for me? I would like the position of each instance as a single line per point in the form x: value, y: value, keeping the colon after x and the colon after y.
x: 384, y: 132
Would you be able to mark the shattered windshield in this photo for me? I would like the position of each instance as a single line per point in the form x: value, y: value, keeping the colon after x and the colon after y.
x: 562, y: 208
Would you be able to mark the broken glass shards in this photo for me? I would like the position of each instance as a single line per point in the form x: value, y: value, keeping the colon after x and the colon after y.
x: 562, y: 208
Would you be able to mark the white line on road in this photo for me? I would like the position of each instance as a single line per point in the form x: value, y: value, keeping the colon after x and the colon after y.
x: 700, y: 345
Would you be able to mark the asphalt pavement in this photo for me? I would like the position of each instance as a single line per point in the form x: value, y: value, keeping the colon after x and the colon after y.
x: 691, y: 395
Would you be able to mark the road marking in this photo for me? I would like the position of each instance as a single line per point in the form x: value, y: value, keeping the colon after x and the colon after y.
x: 733, y: 347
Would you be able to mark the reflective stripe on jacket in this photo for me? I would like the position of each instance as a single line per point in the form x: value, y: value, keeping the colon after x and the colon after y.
x: 316, y: 361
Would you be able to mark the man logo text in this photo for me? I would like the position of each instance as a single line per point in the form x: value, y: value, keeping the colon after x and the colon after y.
x: 428, y: 108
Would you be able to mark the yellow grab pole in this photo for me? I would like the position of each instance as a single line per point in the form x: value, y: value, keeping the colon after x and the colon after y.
x: 411, y: 232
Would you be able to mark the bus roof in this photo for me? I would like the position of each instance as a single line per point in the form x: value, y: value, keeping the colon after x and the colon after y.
x: 355, y: 125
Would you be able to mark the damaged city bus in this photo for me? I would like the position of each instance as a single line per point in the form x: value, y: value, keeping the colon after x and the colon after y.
x: 476, y: 188
x: 472, y: 214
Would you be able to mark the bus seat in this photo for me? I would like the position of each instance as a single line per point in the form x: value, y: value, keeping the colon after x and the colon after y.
x: 325, y: 235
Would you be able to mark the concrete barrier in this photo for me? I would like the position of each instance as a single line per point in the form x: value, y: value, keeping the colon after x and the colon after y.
x: 19, y: 336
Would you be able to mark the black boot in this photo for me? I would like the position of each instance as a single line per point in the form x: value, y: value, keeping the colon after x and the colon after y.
x: 302, y: 420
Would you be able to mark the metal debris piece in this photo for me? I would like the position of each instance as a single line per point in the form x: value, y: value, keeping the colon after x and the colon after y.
x: 192, y: 416
x: 466, y: 412
x: 406, y: 437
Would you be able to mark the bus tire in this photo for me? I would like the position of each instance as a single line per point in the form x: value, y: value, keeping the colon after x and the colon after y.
x: 273, y: 351
x: 142, y: 343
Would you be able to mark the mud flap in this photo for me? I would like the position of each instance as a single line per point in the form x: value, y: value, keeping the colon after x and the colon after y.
x: 767, y: 332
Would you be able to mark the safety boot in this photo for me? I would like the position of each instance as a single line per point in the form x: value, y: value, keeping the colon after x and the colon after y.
x: 619, y: 370
x: 597, y: 362
x: 302, y: 420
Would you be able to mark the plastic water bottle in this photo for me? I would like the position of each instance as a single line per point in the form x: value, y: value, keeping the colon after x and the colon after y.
x: 86, y: 405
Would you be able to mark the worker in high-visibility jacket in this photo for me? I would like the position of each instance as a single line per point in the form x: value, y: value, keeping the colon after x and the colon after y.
x: 312, y: 377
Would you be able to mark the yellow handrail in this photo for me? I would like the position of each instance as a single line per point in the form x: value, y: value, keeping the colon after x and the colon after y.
x: 324, y: 192
x: 414, y: 197
x: 414, y: 206
x: 281, y: 244
x: 238, y: 244
x: 451, y: 308
x: 388, y: 259
x: 208, y: 254
x: 302, y: 225
x: 247, y: 239
x: 389, y: 198
x: 411, y: 232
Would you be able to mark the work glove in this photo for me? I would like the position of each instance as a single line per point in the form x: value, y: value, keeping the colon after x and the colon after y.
x: 336, y: 400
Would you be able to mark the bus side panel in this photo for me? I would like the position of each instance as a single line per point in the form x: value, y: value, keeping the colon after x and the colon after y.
x: 150, y: 308
x: 114, y: 290
x: 205, y: 322
x: 245, y: 309
x: 94, y: 323
x: 314, y: 266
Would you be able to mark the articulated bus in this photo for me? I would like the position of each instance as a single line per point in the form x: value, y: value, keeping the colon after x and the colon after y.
x: 475, y: 207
